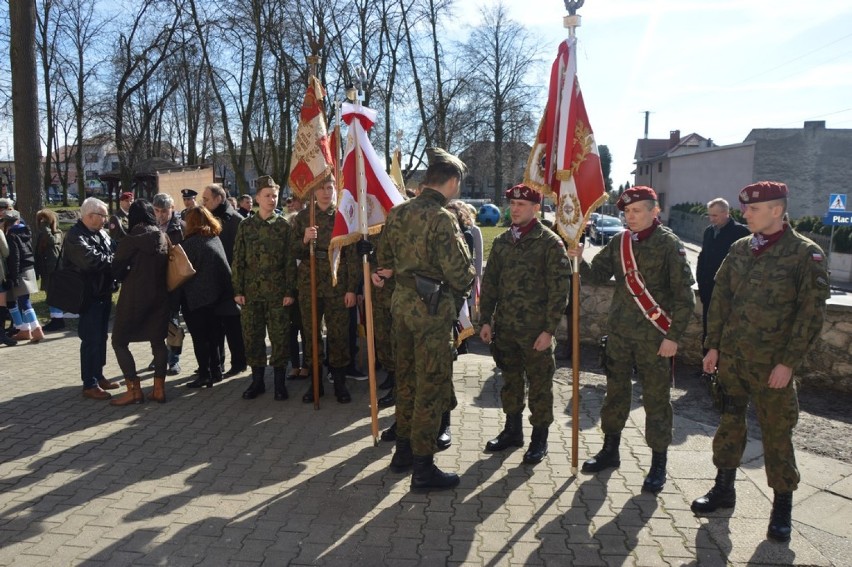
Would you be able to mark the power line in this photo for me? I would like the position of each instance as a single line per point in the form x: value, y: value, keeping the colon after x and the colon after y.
x: 802, y: 56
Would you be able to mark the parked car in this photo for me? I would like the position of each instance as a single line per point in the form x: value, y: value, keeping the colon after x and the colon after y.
x: 489, y: 215
x: 592, y: 218
x: 604, y: 228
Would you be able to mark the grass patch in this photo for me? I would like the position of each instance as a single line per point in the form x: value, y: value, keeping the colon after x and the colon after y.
x: 489, y: 233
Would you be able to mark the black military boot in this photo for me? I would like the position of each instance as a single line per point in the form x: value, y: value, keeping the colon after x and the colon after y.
x: 388, y: 400
x: 280, y: 379
x: 781, y: 519
x: 656, y: 478
x: 511, y: 436
x: 308, y: 398
x: 389, y: 434
x: 427, y: 476
x: 722, y: 495
x: 402, y: 458
x: 340, y: 391
x: 257, y: 385
x: 445, y: 438
x: 538, y: 446
x: 608, y: 457
x: 390, y: 381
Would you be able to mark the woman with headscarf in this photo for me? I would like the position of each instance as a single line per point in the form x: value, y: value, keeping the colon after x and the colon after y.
x: 142, y: 313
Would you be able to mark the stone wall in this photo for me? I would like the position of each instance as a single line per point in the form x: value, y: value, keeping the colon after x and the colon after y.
x: 829, y: 363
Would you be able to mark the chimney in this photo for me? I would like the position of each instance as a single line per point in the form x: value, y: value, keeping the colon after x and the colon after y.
x: 815, y: 125
x: 674, y: 138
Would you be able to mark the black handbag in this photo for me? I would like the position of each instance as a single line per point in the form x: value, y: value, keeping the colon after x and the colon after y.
x: 66, y: 290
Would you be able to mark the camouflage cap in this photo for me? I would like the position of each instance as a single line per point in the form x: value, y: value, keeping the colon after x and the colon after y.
x: 763, y: 191
x: 439, y: 157
x: 523, y: 193
x: 265, y: 181
x: 634, y: 194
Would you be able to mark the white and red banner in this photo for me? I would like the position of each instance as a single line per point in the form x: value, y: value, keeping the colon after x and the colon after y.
x: 367, y: 192
x: 564, y: 161
x: 312, y: 158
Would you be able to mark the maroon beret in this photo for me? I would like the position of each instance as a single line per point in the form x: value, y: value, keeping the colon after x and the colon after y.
x: 763, y: 191
x: 523, y: 193
x: 634, y: 194
x: 127, y: 196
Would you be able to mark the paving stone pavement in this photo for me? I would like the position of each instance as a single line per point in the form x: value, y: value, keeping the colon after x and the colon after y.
x: 211, y: 479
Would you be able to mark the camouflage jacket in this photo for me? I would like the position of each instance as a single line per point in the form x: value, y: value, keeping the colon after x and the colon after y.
x: 769, y: 308
x: 263, y: 267
x: 349, y: 277
x: 661, y: 259
x: 422, y: 237
x: 118, y: 225
x: 525, y: 284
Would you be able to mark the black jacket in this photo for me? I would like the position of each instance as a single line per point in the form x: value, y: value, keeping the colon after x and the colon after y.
x: 21, y: 256
x: 212, y: 282
x: 230, y: 220
x: 90, y: 253
x: 713, y: 252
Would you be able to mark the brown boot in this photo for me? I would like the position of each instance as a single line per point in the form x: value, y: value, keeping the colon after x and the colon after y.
x: 158, y: 394
x: 23, y: 335
x: 133, y: 395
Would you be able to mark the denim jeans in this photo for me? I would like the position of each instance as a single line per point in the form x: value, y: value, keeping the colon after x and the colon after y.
x: 92, y: 329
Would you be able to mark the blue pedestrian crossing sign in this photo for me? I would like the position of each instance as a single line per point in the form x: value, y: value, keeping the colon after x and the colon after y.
x: 837, y: 203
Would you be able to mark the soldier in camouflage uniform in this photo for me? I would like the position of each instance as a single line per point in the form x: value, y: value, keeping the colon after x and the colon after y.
x: 766, y: 312
x: 264, y: 278
x: 118, y: 222
x: 382, y: 323
x: 634, y: 338
x: 333, y: 302
x: 423, y: 248
x: 524, y: 291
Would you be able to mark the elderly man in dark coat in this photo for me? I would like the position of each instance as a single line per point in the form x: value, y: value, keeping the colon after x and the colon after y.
x: 142, y: 313
x: 215, y: 200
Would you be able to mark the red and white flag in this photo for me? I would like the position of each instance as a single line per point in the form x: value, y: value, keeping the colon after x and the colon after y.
x: 367, y: 192
x: 564, y: 161
x: 312, y: 158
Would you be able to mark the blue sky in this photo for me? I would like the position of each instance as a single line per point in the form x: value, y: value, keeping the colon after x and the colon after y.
x: 718, y: 68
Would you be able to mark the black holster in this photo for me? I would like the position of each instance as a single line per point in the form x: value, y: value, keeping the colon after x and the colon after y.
x: 602, y: 352
x: 429, y: 292
x: 721, y: 401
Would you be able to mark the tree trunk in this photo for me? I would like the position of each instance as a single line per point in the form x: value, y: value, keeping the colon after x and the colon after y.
x: 25, y: 114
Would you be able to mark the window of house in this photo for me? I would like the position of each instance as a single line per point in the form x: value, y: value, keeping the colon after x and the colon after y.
x: 660, y: 167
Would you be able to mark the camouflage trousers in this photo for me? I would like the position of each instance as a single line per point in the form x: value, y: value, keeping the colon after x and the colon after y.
x: 521, y: 364
x: 336, y: 316
x: 622, y: 353
x: 382, y: 327
x: 777, y: 412
x: 257, y: 318
x: 424, y: 369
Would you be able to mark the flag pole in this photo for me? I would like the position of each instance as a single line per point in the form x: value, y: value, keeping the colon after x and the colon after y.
x: 361, y: 182
x: 313, y: 61
x: 572, y: 22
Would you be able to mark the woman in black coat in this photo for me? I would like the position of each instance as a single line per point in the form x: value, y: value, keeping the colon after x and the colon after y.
x: 209, y: 295
x: 21, y: 278
x: 142, y: 313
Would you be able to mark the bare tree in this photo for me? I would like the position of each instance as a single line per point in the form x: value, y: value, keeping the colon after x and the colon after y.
x: 25, y: 115
x: 143, y: 50
x: 501, y: 55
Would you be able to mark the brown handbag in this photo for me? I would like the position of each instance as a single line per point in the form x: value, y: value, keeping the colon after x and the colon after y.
x: 180, y: 268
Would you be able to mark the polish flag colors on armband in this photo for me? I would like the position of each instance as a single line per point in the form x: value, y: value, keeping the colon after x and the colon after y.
x: 367, y: 192
x: 564, y: 162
